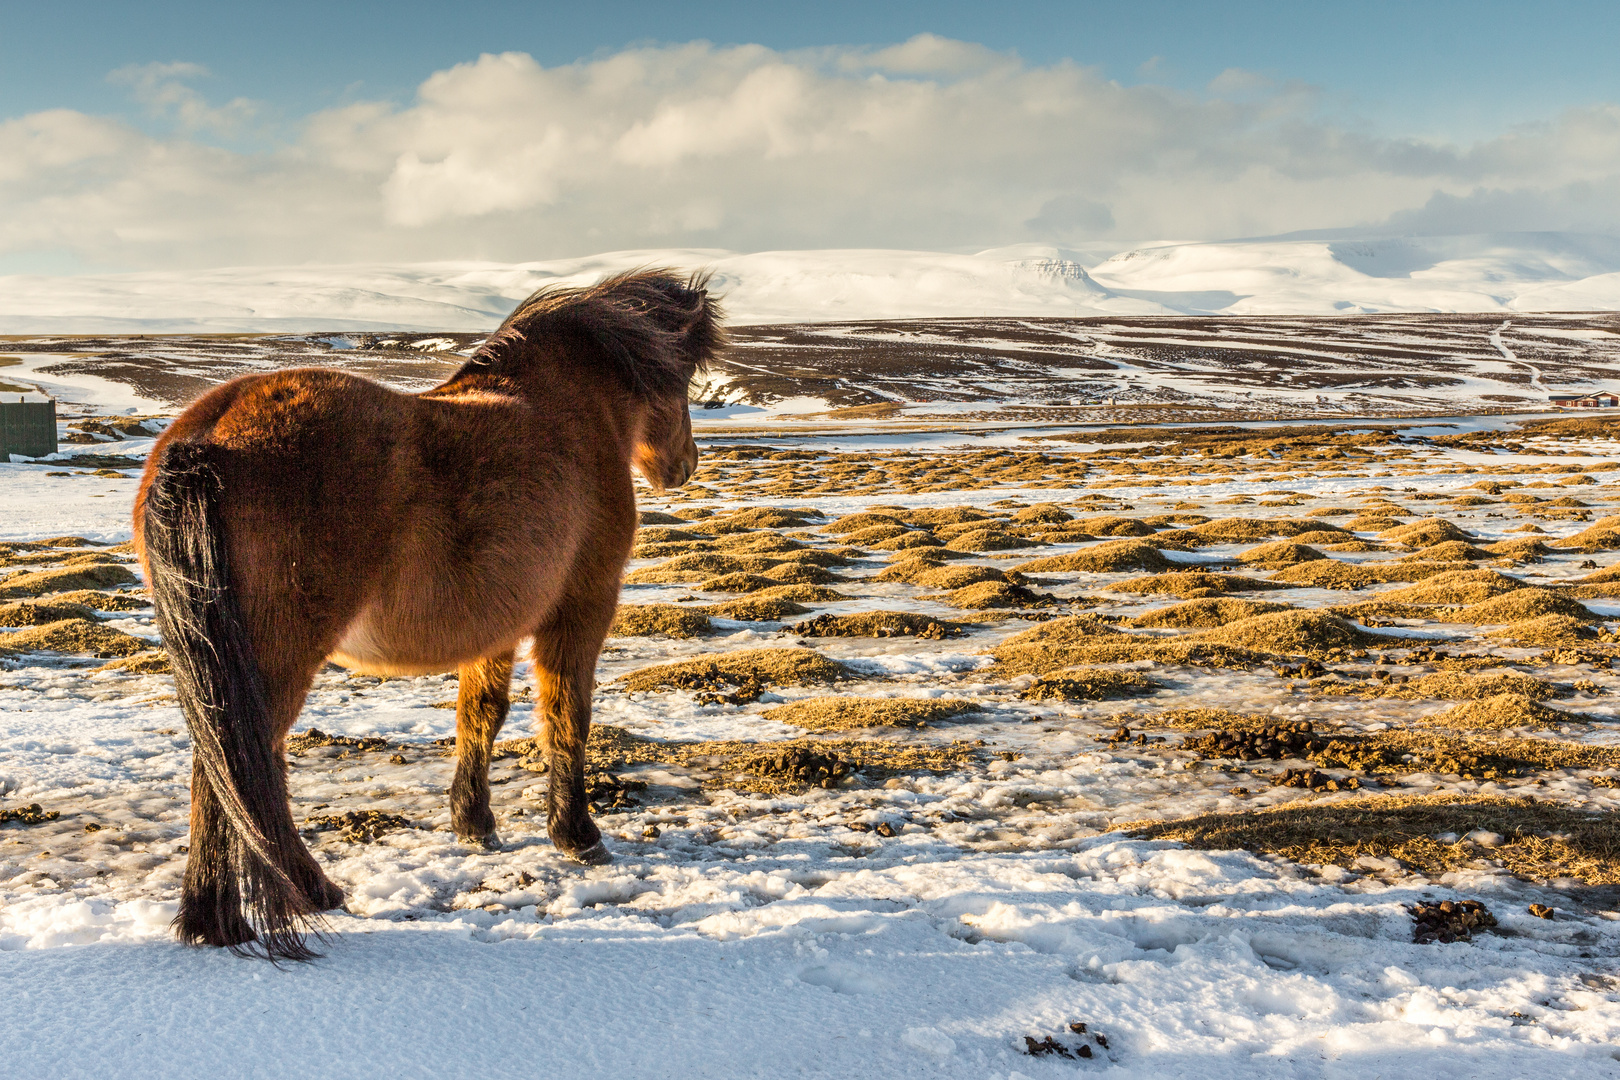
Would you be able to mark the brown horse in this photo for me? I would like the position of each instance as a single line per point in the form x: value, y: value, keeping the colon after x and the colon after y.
x: 309, y: 514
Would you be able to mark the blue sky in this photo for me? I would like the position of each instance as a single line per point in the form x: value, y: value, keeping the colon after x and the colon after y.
x: 1451, y: 69
x: 160, y: 134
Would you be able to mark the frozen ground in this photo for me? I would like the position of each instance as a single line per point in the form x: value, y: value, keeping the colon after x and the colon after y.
x: 1345, y: 274
x: 916, y: 921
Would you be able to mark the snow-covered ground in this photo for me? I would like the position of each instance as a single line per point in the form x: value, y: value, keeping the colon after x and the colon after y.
x: 763, y: 935
x: 1521, y: 272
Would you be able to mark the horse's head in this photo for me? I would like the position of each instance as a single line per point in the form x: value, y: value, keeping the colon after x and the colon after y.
x: 665, y: 452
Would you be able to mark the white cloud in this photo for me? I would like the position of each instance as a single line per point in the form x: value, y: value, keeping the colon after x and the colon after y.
x: 928, y: 144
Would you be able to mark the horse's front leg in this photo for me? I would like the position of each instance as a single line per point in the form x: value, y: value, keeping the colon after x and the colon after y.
x: 481, y: 706
x: 565, y: 674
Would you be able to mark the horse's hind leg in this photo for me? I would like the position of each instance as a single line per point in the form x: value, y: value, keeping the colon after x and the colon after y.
x: 565, y: 675
x: 481, y: 706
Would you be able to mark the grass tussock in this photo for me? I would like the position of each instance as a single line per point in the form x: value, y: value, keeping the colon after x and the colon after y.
x: 1245, y: 530
x: 153, y: 662
x: 748, y: 670
x: 989, y: 540
x: 737, y: 583
x: 946, y: 515
x: 801, y: 573
x: 1540, y: 841
x: 1425, y: 533
x: 985, y: 595
x: 1457, y: 587
x: 1500, y: 712
x: 1205, y: 614
x: 848, y: 713
x: 1448, y: 551
x: 854, y: 523
x: 1217, y: 719
x: 879, y: 624
x: 1118, y: 556
x: 1280, y: 553
x: 1547, y: 630
x: 1112, y: 525
x: 1326, y: 574
x: 1523, y: 604
x: 1090, y: 684
x: 699, y: 566
x: 38, y: 613
x: 659, y: 620
x: 1297, y: 632
x: 754, y: 609
x: 75, y: 636
x: 1192, y: 585
x: 91, y: 576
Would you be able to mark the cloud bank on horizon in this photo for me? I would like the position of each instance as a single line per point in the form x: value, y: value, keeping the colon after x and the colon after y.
x: 931, y: 144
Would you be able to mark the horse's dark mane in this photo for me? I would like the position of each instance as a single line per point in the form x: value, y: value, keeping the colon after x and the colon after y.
x: 654, y: 327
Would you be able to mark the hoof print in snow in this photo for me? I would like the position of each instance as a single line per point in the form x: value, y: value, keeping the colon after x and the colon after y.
x: 1449, y: 921
x: 1049, y: 1046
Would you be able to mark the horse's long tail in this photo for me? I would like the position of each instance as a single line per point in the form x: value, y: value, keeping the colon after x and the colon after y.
x: 241, y: 851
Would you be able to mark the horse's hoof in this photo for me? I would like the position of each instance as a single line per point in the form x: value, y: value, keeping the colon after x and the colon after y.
x: 595, y: 855
x: 488, y: 841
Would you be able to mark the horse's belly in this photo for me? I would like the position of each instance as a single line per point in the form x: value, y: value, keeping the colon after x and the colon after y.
x: 374, y: 647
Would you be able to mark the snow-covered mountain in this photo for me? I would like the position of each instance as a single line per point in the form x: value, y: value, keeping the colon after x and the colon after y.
x: 1321, y: 274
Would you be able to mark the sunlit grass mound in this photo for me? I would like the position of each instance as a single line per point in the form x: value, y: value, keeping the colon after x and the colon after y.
x: 755, y: 609
x: 759, y: 517
x: 1279, y: 553
x: 879, y: 624
x: 1523, y: 604
x: 800, y: 594
x: 1602, y: 535
x: 757, y: 543
x: 1043, y: 514
x: 985, y: 595
x: 1425, y: 533
x: 1499, y: 712
x: 988, y: 540
x: 1113, y: 525
x: 152, y: 662
x: 1116, y: 556
x: 659, y: 620
x: 74, y: 636
x: 1460, y: 686
x: 801, y: 573
x: 768, y: 667
x: 1206, y: 613
x: 1241, y: 530
x: 1326, y: 574
x: 90, y: 576
x: 1192, y: 585
x: 906, y: 541
x: 1546, y: 630
x: 737, y: 583
x: 1456, y: 587
x: 873, y: 535
x: 1540, y: 840
x: 1373, y: 523
x: 1448, y: 551
x: 1089, y: 684
x: 101, y: 601
x: 853, y: 523
x: 846, y: 713
x: 38, y: 613
x: 1297, y: 632
x: 1524, y: 549
x: 946, y: 515
x: 698, y: 567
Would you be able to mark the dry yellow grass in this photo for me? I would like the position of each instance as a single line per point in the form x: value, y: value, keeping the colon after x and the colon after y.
x: 1546, y: 630
x: 1192, y: 585
x: 38, y: 613
x: 1456, y: 587
x: 768, y: 667
x: 1089, y: 684
x: 1326, y: 574
x: 846, y: 713
x: 1421, y: 534
x: 90, y: 576
x: 75, y: 636
x: 1297, y: 633
x: 1280, y: 553
x: 1205, y: 614
x: 1116, y: 556
x: 879, y: 624
x: 1500, y: 712
x: 1523, y: 604
x: 755, y: 609
x: 659, y: 620
x: 1540, y: 840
